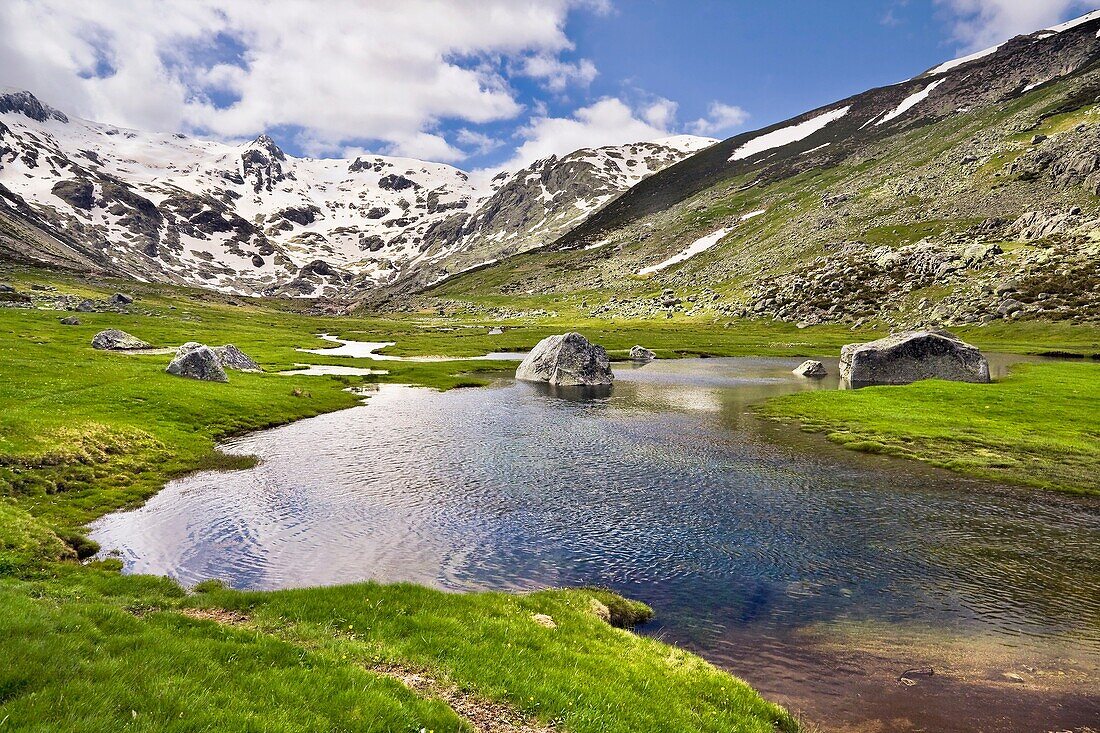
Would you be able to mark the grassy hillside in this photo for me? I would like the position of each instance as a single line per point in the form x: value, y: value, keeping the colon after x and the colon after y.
x: 917, y: 227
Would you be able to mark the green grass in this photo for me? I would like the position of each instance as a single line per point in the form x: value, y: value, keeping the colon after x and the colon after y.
x: 86, y: 648
x: 1038, y: 427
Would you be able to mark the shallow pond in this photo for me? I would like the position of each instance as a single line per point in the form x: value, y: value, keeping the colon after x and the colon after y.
x: 818, y: 574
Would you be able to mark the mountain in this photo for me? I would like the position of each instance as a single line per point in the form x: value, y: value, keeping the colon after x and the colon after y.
x: 965, y: 194
x: 251, y: 219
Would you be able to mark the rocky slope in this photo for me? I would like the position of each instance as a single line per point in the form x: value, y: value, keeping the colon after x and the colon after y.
x: 251, y: 219
x: 965, y: 194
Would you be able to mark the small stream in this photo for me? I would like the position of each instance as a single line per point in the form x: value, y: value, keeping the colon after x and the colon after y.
x: 817, y: 574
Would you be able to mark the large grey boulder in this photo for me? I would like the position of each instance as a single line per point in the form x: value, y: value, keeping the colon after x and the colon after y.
x: 229, y: 356
x: 908, y: 357
x: 641, y: 353
x: 197, y: 363
x: 811, y: 368
x: 114, y: 340
x: 566, y: 360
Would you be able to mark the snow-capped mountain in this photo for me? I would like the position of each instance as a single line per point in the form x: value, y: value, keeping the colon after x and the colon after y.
x: 251, y: 219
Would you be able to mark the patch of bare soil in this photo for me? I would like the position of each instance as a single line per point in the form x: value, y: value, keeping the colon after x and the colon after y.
x: 484, y: 715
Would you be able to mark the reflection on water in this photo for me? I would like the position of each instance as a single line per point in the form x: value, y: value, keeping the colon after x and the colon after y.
x: 663, y: 489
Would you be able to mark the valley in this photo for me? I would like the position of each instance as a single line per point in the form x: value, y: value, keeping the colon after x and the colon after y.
x: 572, y: 442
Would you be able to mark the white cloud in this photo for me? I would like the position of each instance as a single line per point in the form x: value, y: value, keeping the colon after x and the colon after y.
x: 979, y: 24
x: 558, y: 74
x: 478, y: 143
x: 344, y: 70
x: 720, y: 118
x: 607, y: 122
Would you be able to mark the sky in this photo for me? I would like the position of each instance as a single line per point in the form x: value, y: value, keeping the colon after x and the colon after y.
x: 481, y: 84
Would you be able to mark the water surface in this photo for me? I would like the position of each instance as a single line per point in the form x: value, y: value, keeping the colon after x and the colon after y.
x: 762, y: 548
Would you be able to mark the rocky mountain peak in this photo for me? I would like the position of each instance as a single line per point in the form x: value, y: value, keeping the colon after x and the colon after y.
x: 23, y: 102
x: 265, y: 143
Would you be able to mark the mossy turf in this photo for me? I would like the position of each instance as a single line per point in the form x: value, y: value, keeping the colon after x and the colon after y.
x: 86, y: 648
x: 1039, y: 427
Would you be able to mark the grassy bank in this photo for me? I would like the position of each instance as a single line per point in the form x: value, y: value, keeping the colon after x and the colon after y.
x: 1038, y: 427
x: 86, y: 648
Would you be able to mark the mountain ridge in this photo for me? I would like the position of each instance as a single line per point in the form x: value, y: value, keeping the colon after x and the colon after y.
x: 250, y: 219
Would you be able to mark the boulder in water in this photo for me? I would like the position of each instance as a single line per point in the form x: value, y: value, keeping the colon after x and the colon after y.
x: 641, y: 353
x: 114, y: 340
x: 567, y: 360
x: 911, y: 356
x: 197, y: 363
x: 811, y: 368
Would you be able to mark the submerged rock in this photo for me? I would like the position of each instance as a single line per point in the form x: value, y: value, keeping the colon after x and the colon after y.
x: 114, y: 340
x: 566, y: 360
x: 811, y: 368
x: 197, y: 362
x: 641, y: 353
x: 908, y: 357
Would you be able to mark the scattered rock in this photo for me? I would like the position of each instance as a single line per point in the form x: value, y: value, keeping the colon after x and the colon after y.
x: 9, y: 294
x: 811, y: 368
x: 199, y: 362
x: 228, y: 356
x: 114, y: 340
x: 641, y: 353
x: 566, y: 360
x: 70, y: 321
x: 86, y: 306
x: 121, y: 299
x: 908, y: 357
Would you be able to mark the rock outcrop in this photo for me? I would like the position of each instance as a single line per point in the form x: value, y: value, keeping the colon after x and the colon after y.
x: 114, y: 340
x: 199, y: 362
x: 641, y: 353
x: 567, y: 360
x: 908, y: 357
x: 228, y: 356
x: 811, y: 368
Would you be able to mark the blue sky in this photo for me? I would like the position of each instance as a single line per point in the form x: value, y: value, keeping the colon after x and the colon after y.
x: 481, y: 83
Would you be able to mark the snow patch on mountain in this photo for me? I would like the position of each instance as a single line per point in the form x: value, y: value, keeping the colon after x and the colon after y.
x: 909, y: 102
x: 787, y: 135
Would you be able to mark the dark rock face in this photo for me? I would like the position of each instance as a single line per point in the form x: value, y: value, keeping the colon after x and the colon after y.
x: 395, y: 182
x: 908, y: 357
x: 302, y: 215
x: 197, y: 363
x: 641, y: 353
x: 811, y: 368
x: 566, y: 360
x: 28, y: 104
x: 114, y: 340
x: 77, y: 192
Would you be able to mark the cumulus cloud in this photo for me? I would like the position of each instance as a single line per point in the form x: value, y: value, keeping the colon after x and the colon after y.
x: 610, y: 121
x: 979, y: 24
x: 558, y: 74
x: 342, y: 70
x: 721, y: 118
